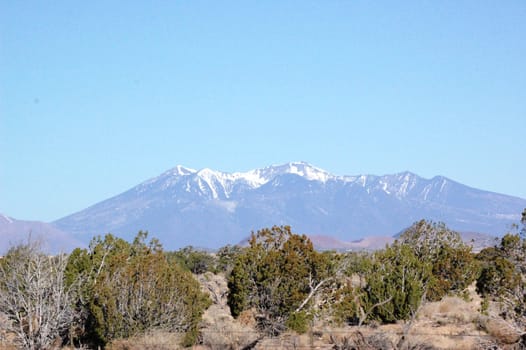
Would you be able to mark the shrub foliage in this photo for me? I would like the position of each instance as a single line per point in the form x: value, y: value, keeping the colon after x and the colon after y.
x: 131, y: 288
x: 427, y: 262
x: 503, y: 274
x: 275, y: 276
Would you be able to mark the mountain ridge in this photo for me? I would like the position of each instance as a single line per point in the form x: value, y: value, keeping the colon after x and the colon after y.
x: 14, y: 231
x: 205, y: 207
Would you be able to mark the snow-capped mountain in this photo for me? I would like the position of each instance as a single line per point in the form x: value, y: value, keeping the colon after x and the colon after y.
x: 211, y: 208
x: 217, y: 184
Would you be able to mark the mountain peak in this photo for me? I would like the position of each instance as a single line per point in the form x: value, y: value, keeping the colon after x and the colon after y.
x: 181, y: 170
x: 302, y: 169
x: 207, y: 172
x: 211, y: 208
x: 6, y: 218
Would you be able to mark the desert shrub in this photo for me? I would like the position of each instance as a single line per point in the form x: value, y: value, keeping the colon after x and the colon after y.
x: 427, y: 262
x: 497, y: 277
x: 503, y: 276
x: 347, y: 293
x: 396, y: 284
x: 34, y: 300
x: 193, y: 260
x: 299, y: 322
x: 391, y: 284
x: 276, y: 275
x: 132, y: 288
x: 454, y: 266
x: 346, y: 306
x: 226, y: 258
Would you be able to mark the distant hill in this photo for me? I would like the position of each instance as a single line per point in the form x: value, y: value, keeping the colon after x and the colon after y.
x: 210, y: 208
x: 367, y: 243
x: 53, y: 240
x: 478, y: 241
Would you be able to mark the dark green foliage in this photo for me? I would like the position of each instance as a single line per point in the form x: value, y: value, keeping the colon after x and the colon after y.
x: 454, y: 266
x: 453, y: 271
x: 239, y: 284
x: 298, y: 322
x: 346, y: 307
x: 502, y: 266
x: 497, y: 276
x: 426, y: 263
x: 399, y: 277
x: 386, y: 286
x: 503, y: 276
x: 348, y: 292
x: 131, y: 288
x: 275, y: 275
x: 194, y: 260
x: 226, y: 258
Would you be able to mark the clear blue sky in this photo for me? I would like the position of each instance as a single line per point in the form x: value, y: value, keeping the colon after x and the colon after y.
x: 98, y: 96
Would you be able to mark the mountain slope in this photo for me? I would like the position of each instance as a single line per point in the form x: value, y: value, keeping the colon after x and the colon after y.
x: 210, y: 208
x: 13, y: 232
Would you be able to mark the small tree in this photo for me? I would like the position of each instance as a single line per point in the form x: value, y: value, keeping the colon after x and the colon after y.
x: 34, y: 297
x: 454, y: 266
x: 427, y: 262
x: 277, y: 275
x: 396, y: 284
x: 348, y: 295
x: 226, y: 258
x: 503, y: 275
x: 132, y: 288
x: 193, y: 260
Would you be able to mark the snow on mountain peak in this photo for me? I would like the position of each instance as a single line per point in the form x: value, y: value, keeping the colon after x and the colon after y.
x: 221, y: 184
x: 6, y: 218
x: 181, y: 170
x: 206, y: 172
x: 308, y: 171
x: 302, y: 169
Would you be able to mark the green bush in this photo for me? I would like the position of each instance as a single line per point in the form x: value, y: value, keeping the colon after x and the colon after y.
x: 427, y: 262
x: 226, y: 258
x: 503, y: 276
x: 194, y: 260
x: 132, y: 288
x: 396, y: 284
x: 454, y: 266
x: 275, y: 275
x: 298, y: 322
x: 346, y: 306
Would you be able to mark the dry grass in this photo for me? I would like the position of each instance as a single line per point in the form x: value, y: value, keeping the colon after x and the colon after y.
x: 248, y: 318
x: 218, y: 329
x: 5, y: 346
x: 363, y: 338
x: 448, y: 324
x: 291, y: 340
x: 451, y: 323
x: 155, y: 340
x: 450, y: 310
x: 223, y: 333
